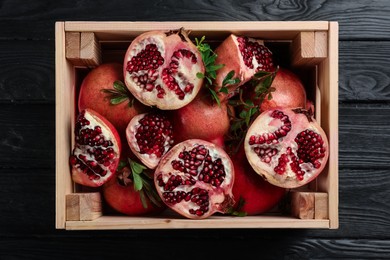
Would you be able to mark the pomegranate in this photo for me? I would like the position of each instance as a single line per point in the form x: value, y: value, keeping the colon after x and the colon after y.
x: 93, y: 96
x: 287, y: 147
x: 160, y: 69
x: 96, y: 151
x: 202, y: 119
x: 195, y: 179
x: 258, y: 196
x: 121, y: 195
x: 149, y: 137
x: 243, y: 55
x: 289, y: 91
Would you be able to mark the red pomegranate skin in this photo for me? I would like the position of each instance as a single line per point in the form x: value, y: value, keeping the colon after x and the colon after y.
x: 202, y: 119
x: 126, y: 200
x: 92, y: 96
x: 289, y: 91
x: 259, y: 195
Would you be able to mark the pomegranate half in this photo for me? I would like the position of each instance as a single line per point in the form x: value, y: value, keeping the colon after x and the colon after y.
x: 287, y: 147
x: 160, y: 69
x: 195, y: 179
x: 96, y: 151
x: 149, y: 137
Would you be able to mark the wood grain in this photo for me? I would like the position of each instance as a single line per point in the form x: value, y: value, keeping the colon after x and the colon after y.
x: 358, y: 19
x: 289, y: 247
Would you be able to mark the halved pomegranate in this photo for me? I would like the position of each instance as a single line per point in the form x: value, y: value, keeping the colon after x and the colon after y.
x: 96, y: 151
x: 287, y: 147
x: 243, y: 55
x: 150, y: 136
x: 160, y: 69
x: 195, y: 179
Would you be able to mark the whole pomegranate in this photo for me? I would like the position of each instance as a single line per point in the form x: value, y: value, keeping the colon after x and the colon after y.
x: 93, y: 96
x: 150, y: 136
x: 96, y: 151
x: 203, y: 119
x: 287, y: 147
x: 258, y: 196
x: 195, y: 179
x: 121, y: 195
x: 243, y: 55
x: 160, y: 69
x: 289, y: 91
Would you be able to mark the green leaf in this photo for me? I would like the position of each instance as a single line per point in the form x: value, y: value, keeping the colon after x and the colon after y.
x: 120, y: 86
x: 200, y: 75
x: 118, y: 100
x: 267, y: 82
x: 214, y: 67
x: 143, y: 199
x: 228, y: 77
x: 243, y: 114
x: 261, y: 74
x: 136, y: 167
x: 269, y: 96
x: 137, y: 181
x: 224, y: 90
x: 215, y: 96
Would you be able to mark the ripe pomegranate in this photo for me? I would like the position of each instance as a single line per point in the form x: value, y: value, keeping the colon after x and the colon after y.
x: 195, y: 179
x: 287, y: 147
x: 202, y: 119
x: 258, y: 195
x: 150, y: 136
x: 119, y: 194
x: 160, y: 69
x: 245, y: 56
x: 96, y: 151
x: 289, y: 91
x: 92, y: 96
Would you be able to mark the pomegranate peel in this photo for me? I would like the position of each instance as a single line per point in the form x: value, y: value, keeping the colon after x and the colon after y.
x: 287, y: 147
x: 288, y: 91
x: 243, y: 55
x: 132, y: 192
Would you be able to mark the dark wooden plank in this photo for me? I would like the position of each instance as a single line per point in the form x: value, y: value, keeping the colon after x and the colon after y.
x: 27, y: 136
x: 218, y: 247
x: 363, y: 136
x: 27, y: 71
x: 27, y: 203
x: 364, y: 71
x: 361, y: 19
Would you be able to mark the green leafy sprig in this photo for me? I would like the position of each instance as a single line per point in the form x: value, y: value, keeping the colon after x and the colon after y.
x: 209, y: 57
x: 248, y: 110
x: 142, y: 179
x: 119, y: 94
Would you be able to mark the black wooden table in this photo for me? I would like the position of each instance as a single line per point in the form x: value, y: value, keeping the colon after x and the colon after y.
x: 27, y: 134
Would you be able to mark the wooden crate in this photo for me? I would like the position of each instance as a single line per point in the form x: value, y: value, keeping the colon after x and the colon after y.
x: 312, y: 47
